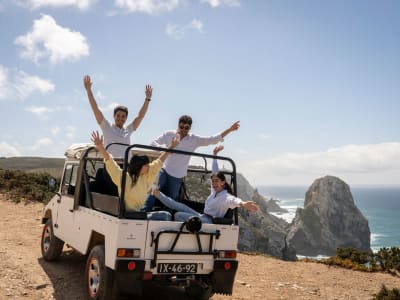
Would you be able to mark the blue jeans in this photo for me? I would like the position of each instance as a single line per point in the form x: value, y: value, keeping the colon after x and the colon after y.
x: 183, y: 211
x: 167, y: 184
x: 159, y: 216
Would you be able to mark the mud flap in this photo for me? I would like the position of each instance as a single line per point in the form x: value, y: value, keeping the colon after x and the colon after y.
x: 222, y: 278
x: 130, y: 282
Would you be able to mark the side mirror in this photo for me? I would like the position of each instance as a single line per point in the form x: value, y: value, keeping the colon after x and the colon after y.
x: 52, y: 184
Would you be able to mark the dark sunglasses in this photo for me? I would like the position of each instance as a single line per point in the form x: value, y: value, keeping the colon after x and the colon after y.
x: 182, y: 127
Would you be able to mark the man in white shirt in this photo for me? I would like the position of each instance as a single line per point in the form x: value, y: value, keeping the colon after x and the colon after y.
x: 117, y: 132
x: 175, y: 166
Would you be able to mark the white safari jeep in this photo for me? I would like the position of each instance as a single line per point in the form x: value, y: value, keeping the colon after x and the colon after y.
x: 123, y: 248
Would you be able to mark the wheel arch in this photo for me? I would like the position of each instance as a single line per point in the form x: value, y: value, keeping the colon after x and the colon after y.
x: 96, y: 238
x: 46, y: 215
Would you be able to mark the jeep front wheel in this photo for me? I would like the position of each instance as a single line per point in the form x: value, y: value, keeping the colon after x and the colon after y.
x: 99, y: 280
x: 51, y: 246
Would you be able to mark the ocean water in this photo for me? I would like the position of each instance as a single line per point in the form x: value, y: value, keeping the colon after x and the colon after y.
x: 379, y: 204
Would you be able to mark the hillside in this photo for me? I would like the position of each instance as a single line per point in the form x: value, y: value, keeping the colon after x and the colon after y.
x: 258, y: 277
x: 53, y: 166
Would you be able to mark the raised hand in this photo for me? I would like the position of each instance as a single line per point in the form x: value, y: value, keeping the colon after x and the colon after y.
x: 87, y: 82
x: 148, y: 91
x: 235, y: 126
x: 218, y: 149
x: 97, y: 139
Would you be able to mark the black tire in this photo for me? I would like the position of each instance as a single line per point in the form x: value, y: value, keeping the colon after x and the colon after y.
x: 99, y: 280
x: 50, y: 245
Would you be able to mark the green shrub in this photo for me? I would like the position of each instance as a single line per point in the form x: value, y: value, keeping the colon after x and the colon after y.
x: 385, y: 294
x: 20, y: 185
x: 385, y: 260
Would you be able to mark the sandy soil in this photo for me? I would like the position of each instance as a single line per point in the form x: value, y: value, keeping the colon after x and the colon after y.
x: 25, y: 275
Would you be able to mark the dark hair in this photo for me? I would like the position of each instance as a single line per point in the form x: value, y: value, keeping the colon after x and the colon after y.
x: 221, y: 177
x: 121, y: 108
x: 135, y: 165
x: 185, y: 119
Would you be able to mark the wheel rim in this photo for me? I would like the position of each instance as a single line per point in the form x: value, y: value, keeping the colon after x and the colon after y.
x: 93, y: 277
x: 46, y: 238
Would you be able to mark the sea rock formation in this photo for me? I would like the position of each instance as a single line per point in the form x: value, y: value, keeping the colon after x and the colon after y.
x: 329, y: 220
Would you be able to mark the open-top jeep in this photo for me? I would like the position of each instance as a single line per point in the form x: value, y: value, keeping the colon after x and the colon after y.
x: 123, y: 248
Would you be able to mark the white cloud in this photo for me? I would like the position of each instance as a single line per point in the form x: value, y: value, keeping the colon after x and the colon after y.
x: 216, y: 3
x: 54, y: 131
x: 5, y: 86
x: 178, y: 32
x: 7, y: 150
x: 264, y: 136
x: 348, y: 161
x: 147, y: 6
x: 40, y: 143
x: 42, y: 112
x: 48, y: 40
x: 109, y: 108
x: 21, y: 85
x: 70, y: 132
x: 26, y: 84
x: 80, y: 4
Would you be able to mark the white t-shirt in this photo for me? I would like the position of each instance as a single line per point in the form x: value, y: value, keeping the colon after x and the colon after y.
x: 176, y: 164
x: 114, y: 134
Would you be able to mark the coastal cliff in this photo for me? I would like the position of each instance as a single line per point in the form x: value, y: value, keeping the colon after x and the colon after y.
x: 261, y: 231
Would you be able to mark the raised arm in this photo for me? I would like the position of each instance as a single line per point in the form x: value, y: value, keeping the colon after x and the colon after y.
x: 142, y: 112
x: 97, y: 139
x: 97, y: 112
x: 235, y: 126
x: 216, y: 150
x: 175, y: 141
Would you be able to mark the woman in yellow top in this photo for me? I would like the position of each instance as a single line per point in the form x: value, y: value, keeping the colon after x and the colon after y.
x: 142, y: 173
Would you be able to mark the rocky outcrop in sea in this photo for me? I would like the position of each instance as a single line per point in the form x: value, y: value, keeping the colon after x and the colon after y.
x: 329, y: 220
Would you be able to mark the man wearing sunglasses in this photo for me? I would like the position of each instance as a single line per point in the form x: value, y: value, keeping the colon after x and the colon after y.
x: 175, y: 166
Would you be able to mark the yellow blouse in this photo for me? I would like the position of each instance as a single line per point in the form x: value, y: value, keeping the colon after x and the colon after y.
x: 135, y: 196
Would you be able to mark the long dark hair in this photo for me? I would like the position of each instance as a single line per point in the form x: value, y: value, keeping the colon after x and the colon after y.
x: 221, y: 177
x: 135, y: 165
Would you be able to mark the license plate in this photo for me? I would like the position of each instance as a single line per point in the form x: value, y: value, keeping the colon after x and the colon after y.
x: 175, y: 268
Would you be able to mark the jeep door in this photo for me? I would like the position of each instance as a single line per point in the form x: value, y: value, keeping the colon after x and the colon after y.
x: 63, y: 221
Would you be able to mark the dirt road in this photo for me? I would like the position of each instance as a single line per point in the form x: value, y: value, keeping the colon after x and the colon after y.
x: 25, y: 275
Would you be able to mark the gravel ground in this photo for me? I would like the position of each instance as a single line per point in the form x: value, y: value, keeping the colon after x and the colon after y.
x: 25, y: 275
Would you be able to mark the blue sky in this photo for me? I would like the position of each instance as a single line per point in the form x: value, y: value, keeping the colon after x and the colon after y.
x: 315, y: 84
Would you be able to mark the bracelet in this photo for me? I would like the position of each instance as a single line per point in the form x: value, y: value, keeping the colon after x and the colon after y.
x: 148, y: 99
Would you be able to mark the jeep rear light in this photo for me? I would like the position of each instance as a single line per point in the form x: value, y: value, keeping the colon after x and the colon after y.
x: 124, y: 252
x: 227, y: 265
x: 131, y: 266
x: 227, y: 254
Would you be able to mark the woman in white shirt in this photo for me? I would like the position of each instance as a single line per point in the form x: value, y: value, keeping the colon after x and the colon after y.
x: 217, y: 203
